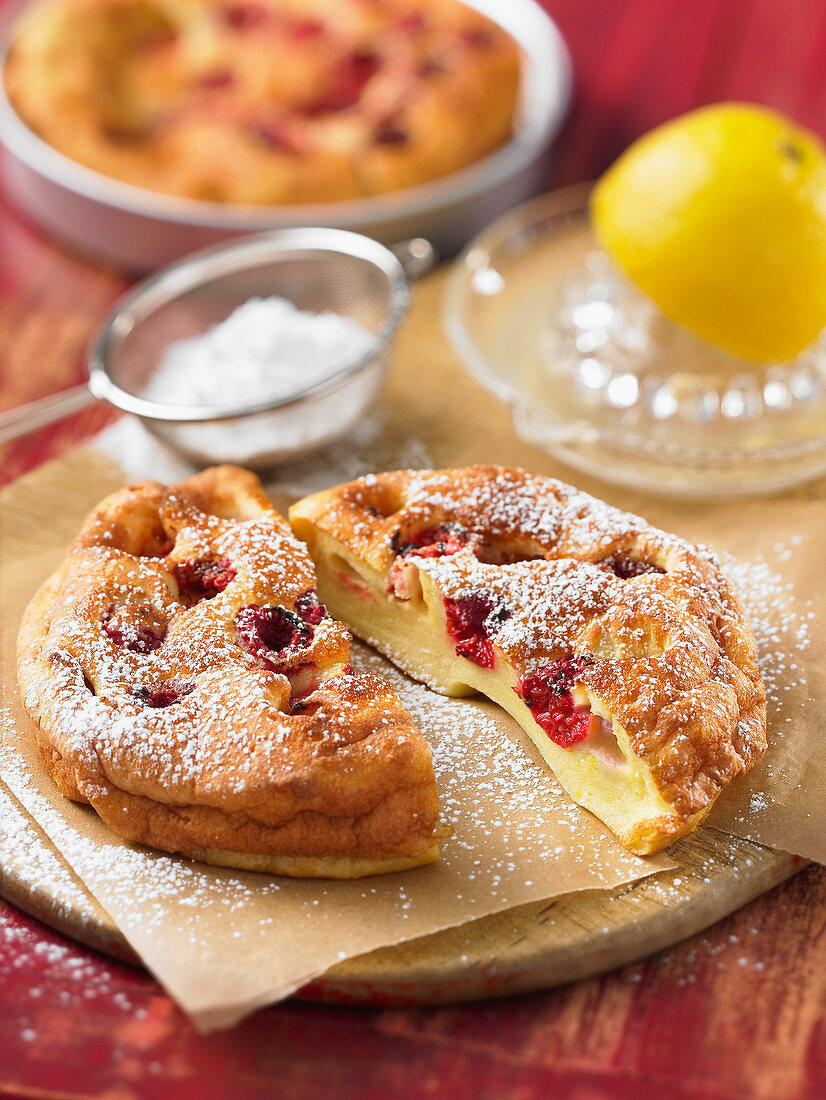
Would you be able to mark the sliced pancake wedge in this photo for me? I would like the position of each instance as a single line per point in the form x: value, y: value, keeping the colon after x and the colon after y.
x: 621, y: 650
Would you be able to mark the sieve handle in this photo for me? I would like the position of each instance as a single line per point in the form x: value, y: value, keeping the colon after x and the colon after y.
x: 417, y: 256
x: 37, y: 414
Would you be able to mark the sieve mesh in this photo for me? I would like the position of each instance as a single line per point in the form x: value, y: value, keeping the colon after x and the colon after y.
x: 314, y: 278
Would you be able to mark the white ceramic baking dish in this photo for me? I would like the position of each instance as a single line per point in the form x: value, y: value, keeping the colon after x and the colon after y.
x: 142, y: 230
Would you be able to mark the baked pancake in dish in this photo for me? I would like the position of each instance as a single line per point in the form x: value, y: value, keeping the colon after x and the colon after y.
x: 187, y: 683
x: 621, y: 650
x: 266, y: 101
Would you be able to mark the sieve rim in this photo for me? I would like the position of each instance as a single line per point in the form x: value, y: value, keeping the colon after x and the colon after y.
x: 220, y: 261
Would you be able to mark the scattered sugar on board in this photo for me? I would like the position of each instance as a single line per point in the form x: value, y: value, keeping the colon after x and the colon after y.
x: 267, y: 348
x: 43, y: 868
x: 48, y: 961
x: 25, y: 948
x: 781, y: 620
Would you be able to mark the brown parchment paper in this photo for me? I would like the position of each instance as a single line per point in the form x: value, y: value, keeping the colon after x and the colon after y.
x: 225, y: 942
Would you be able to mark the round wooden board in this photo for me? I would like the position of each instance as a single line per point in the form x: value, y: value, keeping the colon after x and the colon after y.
x: 532, y: 947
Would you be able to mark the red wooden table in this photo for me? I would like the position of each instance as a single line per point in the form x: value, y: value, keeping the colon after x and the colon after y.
x: 737, y: 1012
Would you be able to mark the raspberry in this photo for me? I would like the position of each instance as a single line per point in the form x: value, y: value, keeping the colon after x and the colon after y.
x: 163, y: 694
x: 390, y: 135
x: 352, y: 74
x: 275, y: 133
x: 479, y: 38
x: 307, y: 28
x: 144, y: 637
x: 202, y: 579
x: 547, y: 694
x: 243, y: 16
x: 272, y: 634
x: 430, y: 67
x: 470, y: 623
x: 309, y: 609
x: 437, y: 542
x: 433, y: 542
x: 218, y: 78
x: 625, y: 568
x: 413, y: 22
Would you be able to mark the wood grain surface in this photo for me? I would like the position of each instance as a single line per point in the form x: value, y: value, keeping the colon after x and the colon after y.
x: 737, y: 1012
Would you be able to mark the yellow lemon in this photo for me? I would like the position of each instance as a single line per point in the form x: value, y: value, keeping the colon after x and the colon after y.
x: 720, y: 217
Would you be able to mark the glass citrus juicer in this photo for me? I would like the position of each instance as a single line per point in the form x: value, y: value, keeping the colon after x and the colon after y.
x: 598, y: 372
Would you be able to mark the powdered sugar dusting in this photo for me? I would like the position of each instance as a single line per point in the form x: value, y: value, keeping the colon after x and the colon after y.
x: 780, y: 618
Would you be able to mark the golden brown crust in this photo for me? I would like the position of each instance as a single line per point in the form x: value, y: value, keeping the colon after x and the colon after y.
x: 294, y: 766
x: 266, y: 101
x: 675, y: 658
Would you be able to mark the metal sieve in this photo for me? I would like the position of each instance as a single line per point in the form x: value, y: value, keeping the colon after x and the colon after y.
x: 318, y: 270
